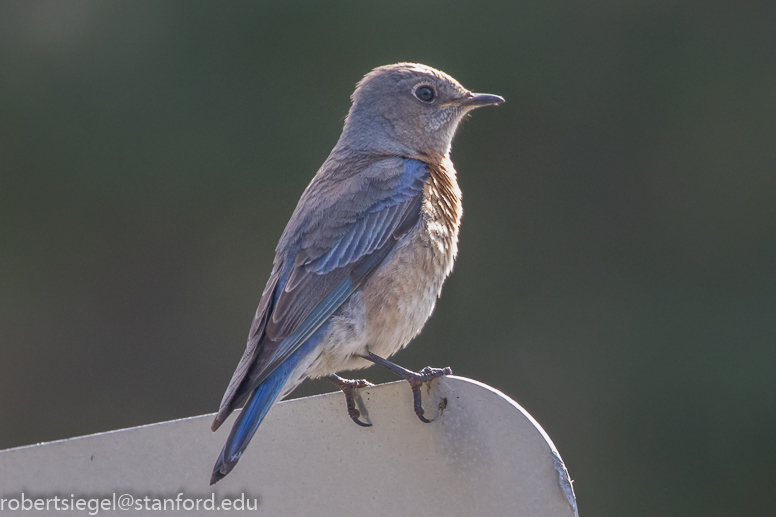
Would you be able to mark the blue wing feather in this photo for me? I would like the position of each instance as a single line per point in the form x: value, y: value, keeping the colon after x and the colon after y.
x: 317, y: 318
x: 324, y: 256
x: 374, y: 225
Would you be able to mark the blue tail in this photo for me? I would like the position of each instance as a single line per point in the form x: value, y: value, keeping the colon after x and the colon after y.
x: 254, y: 412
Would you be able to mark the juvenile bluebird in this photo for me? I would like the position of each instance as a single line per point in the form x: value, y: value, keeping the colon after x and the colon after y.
x: 361, y: 263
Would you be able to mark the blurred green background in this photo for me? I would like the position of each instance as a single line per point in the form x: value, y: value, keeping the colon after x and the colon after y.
x: 616, y: 271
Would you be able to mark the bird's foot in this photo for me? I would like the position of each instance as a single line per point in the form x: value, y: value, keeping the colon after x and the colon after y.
x: 349, y: 387
x: 416, y: 379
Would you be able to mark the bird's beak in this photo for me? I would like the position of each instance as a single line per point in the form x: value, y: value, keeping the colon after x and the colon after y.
x: 475, y: 100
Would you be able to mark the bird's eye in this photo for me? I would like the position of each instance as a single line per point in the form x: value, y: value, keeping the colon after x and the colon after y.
x: 425, y: 93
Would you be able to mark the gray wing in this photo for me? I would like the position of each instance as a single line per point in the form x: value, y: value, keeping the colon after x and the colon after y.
x: 341, y: 231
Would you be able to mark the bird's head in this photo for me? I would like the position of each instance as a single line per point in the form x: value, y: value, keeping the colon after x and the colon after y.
x: 409, y: 109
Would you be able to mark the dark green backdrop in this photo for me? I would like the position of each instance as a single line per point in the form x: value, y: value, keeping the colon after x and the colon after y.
x: 616, y: 269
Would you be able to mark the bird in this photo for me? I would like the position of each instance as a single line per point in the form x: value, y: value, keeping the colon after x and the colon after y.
x: 362, y: 260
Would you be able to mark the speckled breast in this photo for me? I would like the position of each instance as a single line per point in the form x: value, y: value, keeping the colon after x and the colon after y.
x: 403, y: 293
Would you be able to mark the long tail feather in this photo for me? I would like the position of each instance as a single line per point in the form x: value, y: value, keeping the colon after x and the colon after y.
x: 250, y: 417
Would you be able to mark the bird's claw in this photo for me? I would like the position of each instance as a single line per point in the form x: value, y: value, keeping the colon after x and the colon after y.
x: 417, y: 380
x: 348, y: 388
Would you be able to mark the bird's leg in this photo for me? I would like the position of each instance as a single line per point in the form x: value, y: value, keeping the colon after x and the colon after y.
x: 349, y: 387
x: 416, y: 379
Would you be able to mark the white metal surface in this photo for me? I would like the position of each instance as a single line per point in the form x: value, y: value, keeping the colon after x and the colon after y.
x: 482, y: 455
